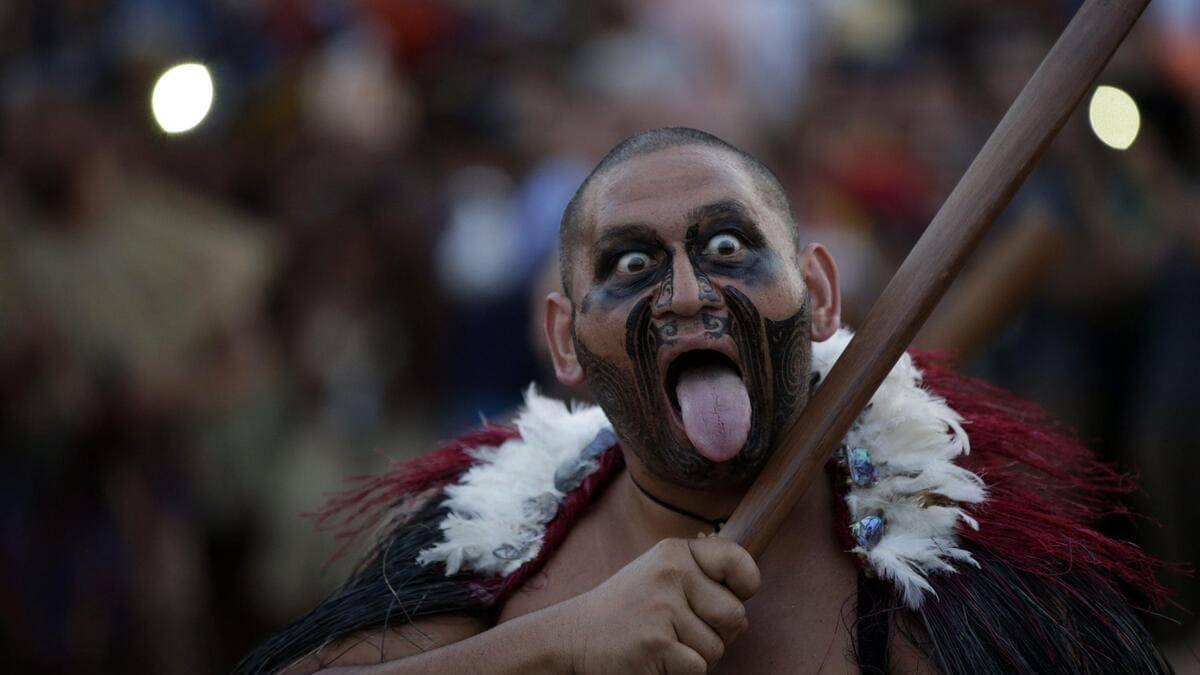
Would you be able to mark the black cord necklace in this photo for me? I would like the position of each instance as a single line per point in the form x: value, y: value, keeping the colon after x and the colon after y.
x: 714, y: 523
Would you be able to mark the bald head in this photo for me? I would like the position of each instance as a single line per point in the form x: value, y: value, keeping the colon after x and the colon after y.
x: 580, y: 210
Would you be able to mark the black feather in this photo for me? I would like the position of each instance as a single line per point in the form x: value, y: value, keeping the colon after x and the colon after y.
x: 390, y: 587
x: 997, y: 619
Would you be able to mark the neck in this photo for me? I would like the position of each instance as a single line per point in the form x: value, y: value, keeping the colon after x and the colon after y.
x: 650, y: 521
x: 660, y: 509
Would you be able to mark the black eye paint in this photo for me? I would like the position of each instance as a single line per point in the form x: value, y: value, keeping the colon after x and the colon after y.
x: 754, y: 267
x: 611, y: 291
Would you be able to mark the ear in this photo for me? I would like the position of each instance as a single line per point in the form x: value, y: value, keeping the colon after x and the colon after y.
x: 559, y: 338
x: 821, y: 277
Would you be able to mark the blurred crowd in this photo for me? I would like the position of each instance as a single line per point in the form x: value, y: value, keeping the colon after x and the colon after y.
x: 202, y: 335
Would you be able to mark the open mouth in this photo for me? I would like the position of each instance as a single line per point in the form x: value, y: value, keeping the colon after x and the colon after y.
x: 696, y: 359
x: 709, y: 403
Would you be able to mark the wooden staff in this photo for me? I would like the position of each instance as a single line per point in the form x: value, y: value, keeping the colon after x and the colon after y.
x: 1040, y: 110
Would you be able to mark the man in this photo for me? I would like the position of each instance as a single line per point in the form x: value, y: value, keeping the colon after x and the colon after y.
x: 700, y: 326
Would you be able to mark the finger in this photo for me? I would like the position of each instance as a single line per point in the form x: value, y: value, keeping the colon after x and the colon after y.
x: 717, y: 607
x: 680, y: 659
x: 692, y: 631
x: 725, y: 562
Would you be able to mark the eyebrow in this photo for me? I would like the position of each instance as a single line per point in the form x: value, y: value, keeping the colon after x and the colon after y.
x: 724, y: 207
x: 631, y: 231
x: 705, y: 215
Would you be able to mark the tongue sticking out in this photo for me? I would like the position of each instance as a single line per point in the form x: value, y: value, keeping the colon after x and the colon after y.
x: 715, y: 409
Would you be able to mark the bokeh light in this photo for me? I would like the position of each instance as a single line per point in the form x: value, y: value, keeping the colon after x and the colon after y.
x: 182, y: 97
x: 1114, y: 117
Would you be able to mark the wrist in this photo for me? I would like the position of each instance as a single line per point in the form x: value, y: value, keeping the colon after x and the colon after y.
x: 564, y: 641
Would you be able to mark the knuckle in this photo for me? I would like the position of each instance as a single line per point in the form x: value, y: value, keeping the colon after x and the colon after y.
x: 741, y: 555
x: 678, y: 549
x: 660, y: 547
x: 746, y: 562
x: 685, y: 661
x: 755, y: 579
x: 737, y: 615
x: 669, y: 570
x: 668, y: 554
x: 665, y: 572
x: 715, y: 653
x: 661, y: 606
x: 658, y: 642
x: 707, y: 544
x: 669, y: 547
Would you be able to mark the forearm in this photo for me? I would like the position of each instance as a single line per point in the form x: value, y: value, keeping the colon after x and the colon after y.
x: 535, y: 642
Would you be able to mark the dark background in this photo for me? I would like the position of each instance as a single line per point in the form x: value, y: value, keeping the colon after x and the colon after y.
x: 201, y: 335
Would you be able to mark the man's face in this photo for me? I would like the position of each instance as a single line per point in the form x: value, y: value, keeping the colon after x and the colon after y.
x: 691, y: 315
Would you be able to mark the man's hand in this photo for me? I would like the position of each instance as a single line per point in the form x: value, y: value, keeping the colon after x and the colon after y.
x: 673, y: 610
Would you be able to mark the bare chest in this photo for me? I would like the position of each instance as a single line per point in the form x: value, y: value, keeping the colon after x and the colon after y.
x: 800, y: 620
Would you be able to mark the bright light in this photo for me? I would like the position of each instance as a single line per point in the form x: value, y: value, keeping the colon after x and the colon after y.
x: 1114, y: 117
x: 182, y: 97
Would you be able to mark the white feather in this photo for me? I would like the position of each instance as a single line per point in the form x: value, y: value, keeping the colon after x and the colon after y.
x: 487, y: 505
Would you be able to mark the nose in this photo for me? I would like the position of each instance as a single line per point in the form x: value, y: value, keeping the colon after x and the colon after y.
x: 685, y: 291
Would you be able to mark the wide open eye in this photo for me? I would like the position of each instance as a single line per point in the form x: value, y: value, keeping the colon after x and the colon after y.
x: 634, y: 263
x: 723, y: 245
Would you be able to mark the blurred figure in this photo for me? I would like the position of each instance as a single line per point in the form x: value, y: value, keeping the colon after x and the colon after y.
x: 112, y: 288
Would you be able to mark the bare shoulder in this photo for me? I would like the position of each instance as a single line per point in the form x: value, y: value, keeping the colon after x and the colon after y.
x: 595, y: 549
x: 397, y: 642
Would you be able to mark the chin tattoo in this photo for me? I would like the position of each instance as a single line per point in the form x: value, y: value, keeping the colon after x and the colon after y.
x: 775, y: 358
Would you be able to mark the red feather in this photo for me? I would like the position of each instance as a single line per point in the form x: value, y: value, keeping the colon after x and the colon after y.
x: 358, y: 510
x: 1046, y: 491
